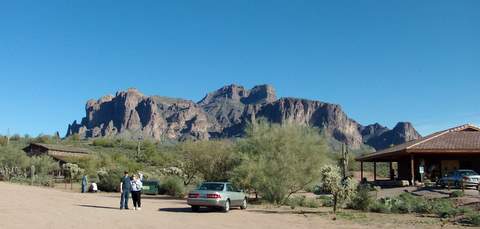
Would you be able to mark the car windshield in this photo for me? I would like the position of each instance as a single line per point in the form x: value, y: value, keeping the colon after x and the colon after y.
x: 468, y: 173
x: 211, y: 187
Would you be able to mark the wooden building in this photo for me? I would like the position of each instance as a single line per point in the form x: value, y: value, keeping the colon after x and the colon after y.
x: 433, y: 156
x: 58, y: 152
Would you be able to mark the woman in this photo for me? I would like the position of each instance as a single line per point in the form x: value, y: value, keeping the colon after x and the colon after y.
x: 136, y: 192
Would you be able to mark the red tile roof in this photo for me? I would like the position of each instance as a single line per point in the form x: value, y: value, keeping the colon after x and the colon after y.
x: 465, y: 138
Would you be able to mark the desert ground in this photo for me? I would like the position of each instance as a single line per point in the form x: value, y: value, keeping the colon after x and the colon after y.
x: 24, y: 206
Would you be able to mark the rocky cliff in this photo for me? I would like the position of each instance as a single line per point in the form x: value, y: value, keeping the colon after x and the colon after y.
x: 131, y: 114
x: 224, y: 113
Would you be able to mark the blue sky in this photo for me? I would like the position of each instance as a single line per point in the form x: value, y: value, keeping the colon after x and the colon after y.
x: 383, y: 61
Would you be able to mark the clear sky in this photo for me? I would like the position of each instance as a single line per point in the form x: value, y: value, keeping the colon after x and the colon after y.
x: 383, y: 61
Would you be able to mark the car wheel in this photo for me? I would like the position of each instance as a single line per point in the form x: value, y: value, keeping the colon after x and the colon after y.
x: 226, y: 207
x: 244, y: 204
x: 195, y: 208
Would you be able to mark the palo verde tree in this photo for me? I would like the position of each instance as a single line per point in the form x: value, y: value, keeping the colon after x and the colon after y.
x: 279, y: 160
x: 212, y: 160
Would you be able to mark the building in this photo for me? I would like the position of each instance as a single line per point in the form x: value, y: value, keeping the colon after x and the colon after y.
x: 58, y: 152
x: 433, y: 156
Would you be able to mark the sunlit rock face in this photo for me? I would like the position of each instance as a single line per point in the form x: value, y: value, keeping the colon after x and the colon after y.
x: 224, y: 113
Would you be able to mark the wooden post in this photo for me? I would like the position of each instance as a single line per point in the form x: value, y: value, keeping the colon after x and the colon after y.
x: 374, y: 171
x: 361, y: 170
x: 412, y: 170
x: 392, y: 175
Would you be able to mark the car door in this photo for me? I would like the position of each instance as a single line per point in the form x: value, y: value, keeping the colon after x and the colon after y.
x: 233, y: 195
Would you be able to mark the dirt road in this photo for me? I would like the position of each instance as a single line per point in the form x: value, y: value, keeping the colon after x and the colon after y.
x: 35, y: 207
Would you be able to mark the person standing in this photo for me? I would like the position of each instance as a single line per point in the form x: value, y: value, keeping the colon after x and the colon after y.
x: 136, y: 192
x: 125, y: 188
x: 84, y: 183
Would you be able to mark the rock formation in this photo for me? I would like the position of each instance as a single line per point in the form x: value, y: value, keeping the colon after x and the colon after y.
x: 224, y: 113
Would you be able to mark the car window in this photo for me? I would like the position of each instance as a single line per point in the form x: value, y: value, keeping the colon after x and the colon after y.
x: 468, y: 173
x: 230, y: 188
x: 211, y: 187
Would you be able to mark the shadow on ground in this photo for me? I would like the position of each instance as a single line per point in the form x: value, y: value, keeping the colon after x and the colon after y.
x: 96, y: 206
x: 189, y: 210
x: 300, y: 212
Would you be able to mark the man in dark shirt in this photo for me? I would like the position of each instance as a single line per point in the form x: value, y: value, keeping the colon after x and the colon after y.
x: 125, y: 188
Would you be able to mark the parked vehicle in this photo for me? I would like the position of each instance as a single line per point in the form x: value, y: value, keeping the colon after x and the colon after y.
x: 457, y: 178
x: 151, y: 187
x: 217, y: 195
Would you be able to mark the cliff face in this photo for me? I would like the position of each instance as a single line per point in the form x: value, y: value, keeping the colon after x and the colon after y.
x: 328, y: 117
x: 224, y: 113
x: 131, y: 114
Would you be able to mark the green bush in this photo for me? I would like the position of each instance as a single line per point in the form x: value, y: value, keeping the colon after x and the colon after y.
x: 326, y: 201
x: 473, y: 218
x: 444, y: 208
x: 42, y: 180
x: 302, y: 201
x: 457, y: 193
x: 109, y: 180
x: 173, y: 186
x: 279, y: 160
x: 103, y: 142
x: 379, y: 207
x: 44, y: 164
x: 362, y: 200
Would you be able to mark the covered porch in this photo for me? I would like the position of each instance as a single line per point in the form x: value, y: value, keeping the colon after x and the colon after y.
x: 431, y: 157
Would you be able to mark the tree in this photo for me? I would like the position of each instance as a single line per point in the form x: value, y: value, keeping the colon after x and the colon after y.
x: 341, y: 189
x: 209, y: 160
x: 44, y: 164
x: 13, y: 162
x: 279, y: 160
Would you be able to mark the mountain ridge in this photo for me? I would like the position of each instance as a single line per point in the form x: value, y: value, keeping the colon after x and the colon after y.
x: 225, y: 113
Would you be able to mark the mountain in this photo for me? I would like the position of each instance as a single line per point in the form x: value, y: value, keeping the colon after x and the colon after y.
x: 133, y: 115
x: 383, y: 138
x: 225, y: 113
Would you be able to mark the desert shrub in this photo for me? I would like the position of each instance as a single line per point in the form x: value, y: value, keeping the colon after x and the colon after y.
x: 3, y: 140
x: 44, y: 164
x: 15, y: 137
x: 302, y: 201
x: 407, y: 203
x: 44, y: 180
x: 380, y: 207
x: 103, y: 142
x: 326, y: 201
x: 13, y: 162
x: 43, y: 138
x: 109, y: 180
x: 173, y: 186
x: 457, y: 193
x: 404, y: 203
x: 362, y: 200
x: 472, y: 218
x: 444, y: 208
x: 41, y: 180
